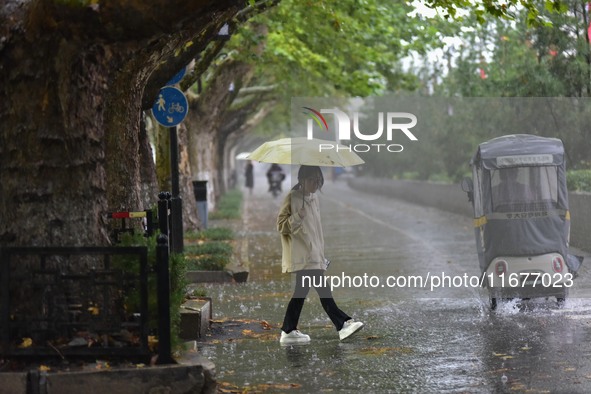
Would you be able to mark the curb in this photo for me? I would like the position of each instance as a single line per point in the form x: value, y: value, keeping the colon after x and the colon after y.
x: 194, y: 375
x: 196, y: 315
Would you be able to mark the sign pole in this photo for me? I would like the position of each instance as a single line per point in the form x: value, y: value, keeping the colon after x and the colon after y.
x: 169, y: 110
x: 176, y: 207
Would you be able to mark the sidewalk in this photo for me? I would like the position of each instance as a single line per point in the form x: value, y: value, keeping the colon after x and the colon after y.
x: 258, y: 251
x: 260, y: 245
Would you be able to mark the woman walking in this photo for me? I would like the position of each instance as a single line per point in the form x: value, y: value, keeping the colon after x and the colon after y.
x: 302, y: 244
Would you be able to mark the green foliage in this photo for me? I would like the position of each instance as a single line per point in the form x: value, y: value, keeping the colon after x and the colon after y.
x: 546, y: 60
x: 333, y: 48
x: 450, y: 129
x: 229, y: 206
x: 579, y: 180
x: 209, y: 256
x: 481, y: 11
x: 410, y: 176
x: 440, y: 178
x: 177, y: 268
x: 519, y: 60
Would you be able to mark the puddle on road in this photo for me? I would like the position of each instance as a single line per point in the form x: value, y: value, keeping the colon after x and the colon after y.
x: 404, y: 346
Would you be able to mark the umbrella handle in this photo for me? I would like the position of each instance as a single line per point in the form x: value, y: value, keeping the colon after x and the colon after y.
x: 303, y: 194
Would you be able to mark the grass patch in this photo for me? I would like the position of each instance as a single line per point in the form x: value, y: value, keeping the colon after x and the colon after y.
x: 199, y: 292
x: 211, y: 234
x: 228, y: 206
x: 208, y: 256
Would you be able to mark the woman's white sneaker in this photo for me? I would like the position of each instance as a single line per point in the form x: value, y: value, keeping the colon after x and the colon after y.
x: 349, y: 328
x: 294, y: 336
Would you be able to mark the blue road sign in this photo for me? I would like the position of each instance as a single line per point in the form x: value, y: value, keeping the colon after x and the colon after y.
x: 171, y: 106
x: 177, y: 78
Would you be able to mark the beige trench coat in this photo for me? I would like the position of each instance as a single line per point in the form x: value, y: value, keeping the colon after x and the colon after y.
x: 302, y: 240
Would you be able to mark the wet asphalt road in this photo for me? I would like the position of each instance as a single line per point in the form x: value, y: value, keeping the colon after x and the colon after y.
x: 416, y: 339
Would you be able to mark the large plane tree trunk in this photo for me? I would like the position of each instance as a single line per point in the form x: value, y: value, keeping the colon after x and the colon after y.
x: 204, y: 120
x: 52, y: 149
x: 72, y: 80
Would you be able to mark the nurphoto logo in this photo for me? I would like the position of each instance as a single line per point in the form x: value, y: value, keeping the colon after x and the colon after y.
x: 395, y: 125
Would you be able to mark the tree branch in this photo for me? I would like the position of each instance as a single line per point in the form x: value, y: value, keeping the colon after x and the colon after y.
x: 211, y: 52
x: 257, y: 89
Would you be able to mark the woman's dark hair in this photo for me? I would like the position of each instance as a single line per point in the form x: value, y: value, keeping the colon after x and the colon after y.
x: 306, y: 172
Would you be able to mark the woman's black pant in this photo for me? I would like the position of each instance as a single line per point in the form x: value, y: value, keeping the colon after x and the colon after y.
x: 304, y: 280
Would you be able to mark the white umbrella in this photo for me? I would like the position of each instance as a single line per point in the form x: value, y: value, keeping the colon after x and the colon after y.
x: 304, y: 151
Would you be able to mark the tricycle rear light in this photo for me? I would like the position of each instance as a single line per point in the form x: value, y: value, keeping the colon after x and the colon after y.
x: 557, y: 264
x: 500, y: 267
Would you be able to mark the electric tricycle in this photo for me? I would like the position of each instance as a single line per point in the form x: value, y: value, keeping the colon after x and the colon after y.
x: 521, y: 217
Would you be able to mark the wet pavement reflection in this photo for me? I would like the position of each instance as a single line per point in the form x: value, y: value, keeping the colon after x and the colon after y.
x: 415, y: 339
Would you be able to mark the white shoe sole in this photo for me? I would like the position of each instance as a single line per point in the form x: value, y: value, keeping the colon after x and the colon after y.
x: 298, y: 343
x: 352, y: 332
x: 291, y: 341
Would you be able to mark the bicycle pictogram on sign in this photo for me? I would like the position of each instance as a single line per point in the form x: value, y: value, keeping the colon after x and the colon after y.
x: 171, y: 106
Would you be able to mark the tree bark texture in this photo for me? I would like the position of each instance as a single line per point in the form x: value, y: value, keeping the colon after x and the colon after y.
x: 237, y: 125
x: 207, y: 114
x: 72, y: 81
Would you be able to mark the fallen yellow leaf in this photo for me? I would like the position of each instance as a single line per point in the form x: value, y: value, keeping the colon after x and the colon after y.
x: 94, y: 310
x: 152, y: 342
x: 266, y: 325
x: 27, y: 342
x: 502, y: 355
x: 102, y: 365
x: 518, y: 387
x: 266, y: 335
x: 279, y: 386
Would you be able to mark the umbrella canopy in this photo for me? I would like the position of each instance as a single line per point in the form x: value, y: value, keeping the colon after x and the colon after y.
x: 303, y: 151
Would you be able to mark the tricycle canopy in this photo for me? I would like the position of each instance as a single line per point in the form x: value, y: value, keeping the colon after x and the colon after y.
x: 519, y: 150
x: 520, y: 197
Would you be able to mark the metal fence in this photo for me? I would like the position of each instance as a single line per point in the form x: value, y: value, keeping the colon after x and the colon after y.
x: 78, y: 301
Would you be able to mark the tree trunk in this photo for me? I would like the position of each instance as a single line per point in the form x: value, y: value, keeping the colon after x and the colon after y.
x: 237, y: 125
x: 52, y: 158
x: 71, y: 85
x: 204, y: 121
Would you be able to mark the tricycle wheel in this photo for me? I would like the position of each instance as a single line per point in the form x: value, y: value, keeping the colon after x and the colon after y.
x: 560, y: 300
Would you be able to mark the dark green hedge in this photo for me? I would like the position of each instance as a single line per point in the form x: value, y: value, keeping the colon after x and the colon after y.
x: 578, y: 180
